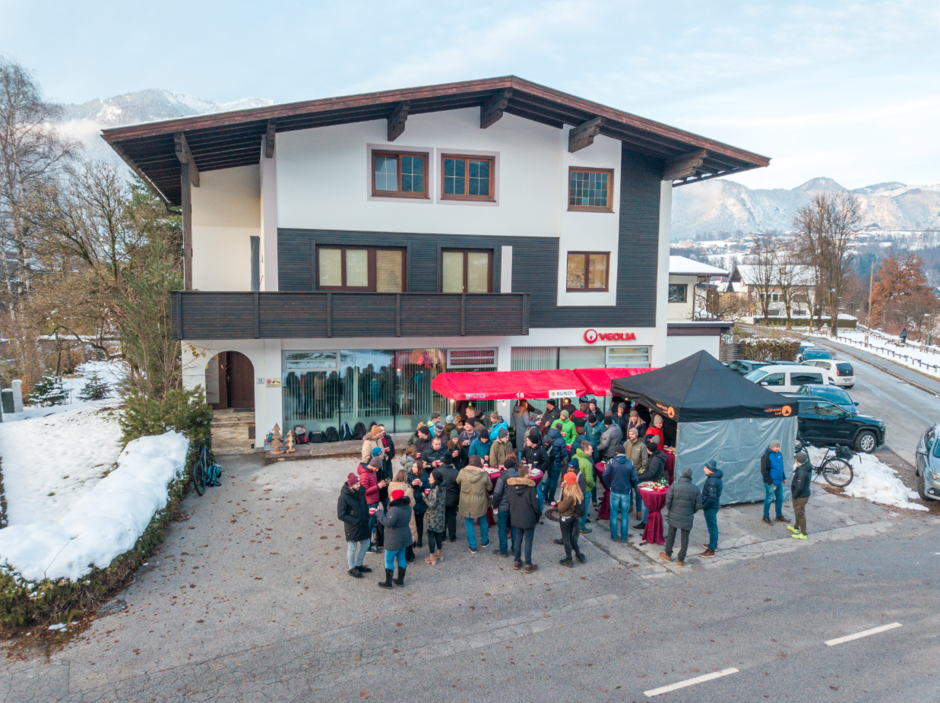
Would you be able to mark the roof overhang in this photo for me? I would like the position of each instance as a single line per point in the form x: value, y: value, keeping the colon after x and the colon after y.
x: 230, y: 139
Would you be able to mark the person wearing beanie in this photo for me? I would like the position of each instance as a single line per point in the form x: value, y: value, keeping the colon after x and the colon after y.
x: 475, y: 487
x: 481, y: 445
x: 611, y: 440
x: 800, y: 493
x: 654, y: 471
x: 353, y: 510
x: 418, y: 479
x: 524, y: 515
x: 414, y: 435
x: 371, y: 442
x: 372, y: 487
x: 568, y: 428
x: 682, y: 502
x: 500, y: 448
x: 501, y: 507
x: 457, y: 455
x: 570, y: 508
x: 711, y: 497
x: 423, y: 442
x: 451, y: 491
x: 397, y: 523
x: 558, y: 456
x: 620, y: 476
x: 436, y: 516
x: 551, y: 414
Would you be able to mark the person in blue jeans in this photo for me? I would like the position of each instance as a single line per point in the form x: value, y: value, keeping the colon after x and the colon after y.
x: 501, y: 506
x: 621, y: 477
x: 711, y: 497
x: 771, y: 468
x: 475, y: 487
x: 397, y: 523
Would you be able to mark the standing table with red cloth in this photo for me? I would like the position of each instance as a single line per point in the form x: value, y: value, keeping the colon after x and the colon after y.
x: 670, y: 465
x: 494, y: 476
x: 603, y: 510
x: 654, y: 501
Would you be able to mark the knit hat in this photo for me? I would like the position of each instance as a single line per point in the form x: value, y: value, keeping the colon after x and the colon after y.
x: 352, y: 480
x: 423, y: 429
x: 574, y: 463
x: 510, y: 463
x: 583, y: 399
x: 686, y: 472
x: 571, y: 478
x: 476, y: 461
x: 608, y: 420
x: 398, y: 493
x: 565, y: 415
x: 711, y: 465
x: 376, y: 451
x: 376, y: 430
x: 376, y: 462
x: 449, y: 420
x: 551, y: 402
x: 503, y: 432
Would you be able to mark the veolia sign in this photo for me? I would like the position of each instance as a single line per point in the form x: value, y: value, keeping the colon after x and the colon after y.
x: 591, y: 336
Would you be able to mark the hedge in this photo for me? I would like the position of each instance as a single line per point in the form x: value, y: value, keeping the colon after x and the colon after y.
x: 763, y: 349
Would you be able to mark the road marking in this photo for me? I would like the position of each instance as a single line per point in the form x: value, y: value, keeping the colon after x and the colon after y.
x: 864, y: 633
x: 690, y: 682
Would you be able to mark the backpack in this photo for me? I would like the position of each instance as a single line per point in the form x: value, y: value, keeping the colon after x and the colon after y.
x: 212, y: 475
x: 345, y: 433
x: 331, y: 435
x: 359, y: 431
x: 316, y: 437
x: 300, y: 434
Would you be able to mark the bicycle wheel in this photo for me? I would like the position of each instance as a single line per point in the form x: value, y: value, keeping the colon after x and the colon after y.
x: 199, y: 474
x: 837, y: 472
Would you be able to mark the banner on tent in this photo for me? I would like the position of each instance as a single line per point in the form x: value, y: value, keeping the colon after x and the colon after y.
x: 563, y: 394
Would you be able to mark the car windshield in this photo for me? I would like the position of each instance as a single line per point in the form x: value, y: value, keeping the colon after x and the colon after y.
x: 834, y: 395
x: 816, y: 354
x: 755, y: 376
x: 936, y: 449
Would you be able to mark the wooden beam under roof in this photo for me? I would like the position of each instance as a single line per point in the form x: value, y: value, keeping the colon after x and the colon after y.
x: 683, y: 166
x: 396, y: 120
x: 492, y: 110
x: 583, y: 135
x: 269, y: 139
x: 185, y: 157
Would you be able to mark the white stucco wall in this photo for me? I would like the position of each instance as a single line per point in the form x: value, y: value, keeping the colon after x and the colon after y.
x: 682, y: 311
x: 662, y: 273
x: 679, y: 348
x: 226, y: 213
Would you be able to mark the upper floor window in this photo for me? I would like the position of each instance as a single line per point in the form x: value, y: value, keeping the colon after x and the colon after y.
x: 590, y: 189
x: 467, y: 271
x: 360, y: 268
x: 399, y: 174
x: 678, y: 292
x: 467, y: 177
x: 587, y: 271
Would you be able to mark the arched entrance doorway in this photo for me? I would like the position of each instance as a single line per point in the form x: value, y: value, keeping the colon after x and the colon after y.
x: 230, y: 391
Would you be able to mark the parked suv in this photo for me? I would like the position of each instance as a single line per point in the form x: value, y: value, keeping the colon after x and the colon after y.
x: 832, y: 394
x: 840, y: 372
x: 927, y: 464
x: 786, y: 378
x: 826, y: 424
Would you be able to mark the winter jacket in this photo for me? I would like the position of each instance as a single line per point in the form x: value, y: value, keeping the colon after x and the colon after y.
x: 802, y: 477
x: 480, y: 449
x: 370, y: 484
x: 587, y: 467
x: 592, y: 433
x: 582, y: 484
x: 494, y: 430
x: 354, y: 512
x: 640, y: 427
x: 435, y: 518
x: 475, y: 487
x: 569, y: 430
x: 636, y: 452
x: 450, y: 487
x: 500, y: 494
x: 655, y: 466
x: 548, y: 419
x: 422, y: 446
x: 567, y: 508
x: 410, y: 495
x: 524, y: 511
x: 611, y: 439
x: 711, y: 491
x: 406, y: 462
x: 771, y: 468
x: 621, y: 422
x: 420, y: 505
x: 467, y: 437
x: 432, y: 455
x: 498, y: 452
x: 655, y: 432
x: 522, y: 423
x: 683, y: 501
x: 368, y: 444
x: 620, y: 475
x: 536, y: 456
x: 397, y: 524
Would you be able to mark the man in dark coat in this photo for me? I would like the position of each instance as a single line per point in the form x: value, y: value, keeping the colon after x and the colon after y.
x: 711, y: 497
x: 551, y: 414
x: 682, y: 501
x: 501, y: 507
x: 353, y: 510
x: 524, y: 515
x: 433, y: 457
x: 397, y: 524
x: 775, y: 478
x: 534, y: 453
x: 558, y: 458
x: 423, y: 442
x: 800, y: 492
x: 452, y: 491
x: 621, y: 479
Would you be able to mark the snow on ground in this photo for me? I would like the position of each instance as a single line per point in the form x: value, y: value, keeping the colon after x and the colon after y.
x: 874, y: 481
x: 105, y: 522
x: 52, y: 456
x: 890, y: 347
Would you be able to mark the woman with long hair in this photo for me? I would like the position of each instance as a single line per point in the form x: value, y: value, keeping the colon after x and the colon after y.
x: 569, y: 514
x: 401, y: 483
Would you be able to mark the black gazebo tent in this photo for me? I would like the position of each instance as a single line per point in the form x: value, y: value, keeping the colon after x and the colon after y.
x: 719, y: 416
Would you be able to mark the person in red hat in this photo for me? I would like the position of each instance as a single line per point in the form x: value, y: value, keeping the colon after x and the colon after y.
x: 353, y: 510
x: 397, y: 523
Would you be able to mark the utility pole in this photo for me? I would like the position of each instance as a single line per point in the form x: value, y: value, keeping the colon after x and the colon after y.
x: 871, y: 283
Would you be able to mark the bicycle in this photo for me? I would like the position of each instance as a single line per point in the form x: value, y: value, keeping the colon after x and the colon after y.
x: 205, y: 470
x: 835, y: 467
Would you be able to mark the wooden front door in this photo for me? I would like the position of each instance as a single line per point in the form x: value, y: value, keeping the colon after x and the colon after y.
x: 239, y: 381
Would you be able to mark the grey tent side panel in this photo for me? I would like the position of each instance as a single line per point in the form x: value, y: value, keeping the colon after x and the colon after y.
x: 737, y: 446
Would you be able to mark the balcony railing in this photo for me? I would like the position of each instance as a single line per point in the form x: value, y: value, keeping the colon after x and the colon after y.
x: 239, y: 315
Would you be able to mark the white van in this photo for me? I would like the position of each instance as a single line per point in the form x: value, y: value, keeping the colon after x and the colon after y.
x: 788, y: 378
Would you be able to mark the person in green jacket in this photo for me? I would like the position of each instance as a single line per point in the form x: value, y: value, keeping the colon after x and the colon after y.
x: 568, y: 429
x: 583, y: 455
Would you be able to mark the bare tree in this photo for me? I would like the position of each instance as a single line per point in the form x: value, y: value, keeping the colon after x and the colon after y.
x: 765, y: 266
x: 827, y: 228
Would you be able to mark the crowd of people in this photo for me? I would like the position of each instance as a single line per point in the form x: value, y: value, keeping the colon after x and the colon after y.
x: 446, y: 467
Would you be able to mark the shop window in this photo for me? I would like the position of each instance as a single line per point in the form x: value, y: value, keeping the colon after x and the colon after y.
x: 466, y: 271
x: 587, y: 271
x: 367, y: 269
x: 589, y: 189
x: 678, y: 292
x: 471, y: 358
x: 628, y: 357
x: 399, y: 174
x: 467, y: 177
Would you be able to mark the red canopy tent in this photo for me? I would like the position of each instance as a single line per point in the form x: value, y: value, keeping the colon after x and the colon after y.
x: 598, y: 380
x: 502, y: 385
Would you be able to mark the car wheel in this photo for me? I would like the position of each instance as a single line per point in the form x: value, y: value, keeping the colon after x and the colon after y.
x: 922, y: 489
x: 866, y: 442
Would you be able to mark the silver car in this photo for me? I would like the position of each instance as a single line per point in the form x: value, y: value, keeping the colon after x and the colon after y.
x: 927, y: 464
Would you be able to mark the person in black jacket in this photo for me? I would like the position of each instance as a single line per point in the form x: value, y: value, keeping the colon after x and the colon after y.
x: 711, y: 498
x: 452, y: 491
x: 434, y: 456
x: 354, y: 512
x: 800, y: 492
x: 501, y: 508
x: 682, y: 501
x: 655, y: 468
x: 524, y: 515
x: 551, y: 414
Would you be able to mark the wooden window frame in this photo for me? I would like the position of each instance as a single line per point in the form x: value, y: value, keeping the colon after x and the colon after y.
x: 465, y: 251
x: 371, y: 288
x: 610, y: 190
x: 587, y: 269
x: 491, y: 198
x: 398, y: 194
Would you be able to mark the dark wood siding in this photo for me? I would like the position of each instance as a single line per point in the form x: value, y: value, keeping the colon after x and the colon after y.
x: 534, y: 259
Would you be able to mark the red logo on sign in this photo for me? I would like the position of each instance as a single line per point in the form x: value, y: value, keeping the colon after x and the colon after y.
x: 591, y: 336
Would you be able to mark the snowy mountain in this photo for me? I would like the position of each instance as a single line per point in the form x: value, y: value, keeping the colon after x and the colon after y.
x: 720, y: 208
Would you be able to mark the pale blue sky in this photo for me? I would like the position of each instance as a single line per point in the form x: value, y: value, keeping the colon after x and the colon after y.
x: 849, y: 90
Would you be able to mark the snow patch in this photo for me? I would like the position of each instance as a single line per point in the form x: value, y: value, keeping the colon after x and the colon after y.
x: 103, y: 523
x: 874, y: 481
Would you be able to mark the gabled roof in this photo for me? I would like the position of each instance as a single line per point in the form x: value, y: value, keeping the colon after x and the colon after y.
x: 747, y: 274
x: 681, y: 266
x: 225, y: 140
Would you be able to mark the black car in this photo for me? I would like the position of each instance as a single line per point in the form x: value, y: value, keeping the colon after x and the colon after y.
x: 824, y: 423
x: 744, y: 367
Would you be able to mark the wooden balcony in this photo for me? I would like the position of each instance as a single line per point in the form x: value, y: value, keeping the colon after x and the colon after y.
x: 224, y: 315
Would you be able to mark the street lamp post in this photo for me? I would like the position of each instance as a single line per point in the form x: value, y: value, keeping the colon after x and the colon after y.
x: 871, y: 283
